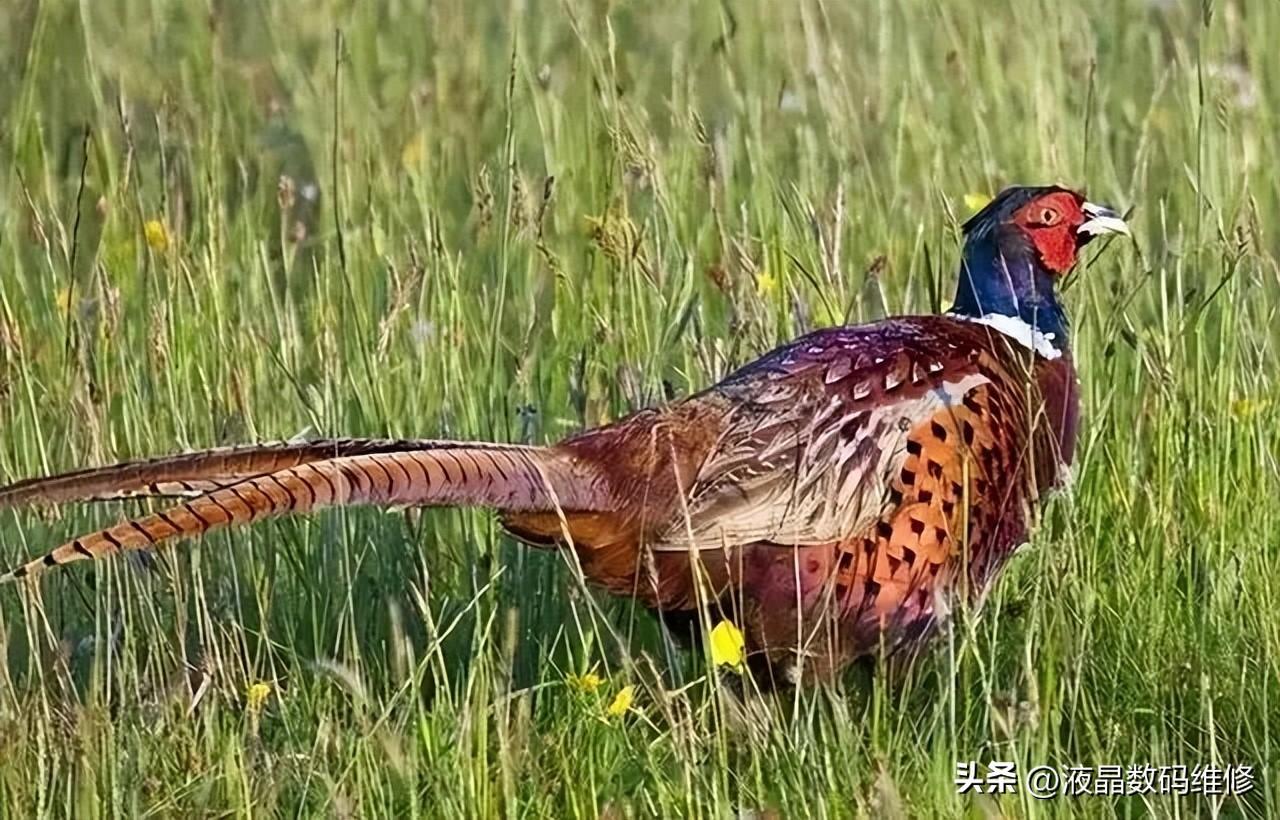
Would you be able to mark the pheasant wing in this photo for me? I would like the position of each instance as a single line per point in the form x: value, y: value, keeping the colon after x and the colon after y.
x: 819, y: 435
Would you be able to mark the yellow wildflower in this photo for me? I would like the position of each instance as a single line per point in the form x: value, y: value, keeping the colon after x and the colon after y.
x: 975, y: 201
x: 586, y: 683
x: 414, y: 151
x: 622, y: 701
x: 766, y: 283
x: 156, y: 234
x: 1246, y: 409
x: 257, y: 695
x: 728, y: 647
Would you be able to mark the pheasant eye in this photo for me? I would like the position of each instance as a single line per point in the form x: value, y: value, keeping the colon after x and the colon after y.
x: 1048, y: 217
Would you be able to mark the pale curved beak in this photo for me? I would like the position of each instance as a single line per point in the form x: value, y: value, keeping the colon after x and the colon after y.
x: 1101, y: 220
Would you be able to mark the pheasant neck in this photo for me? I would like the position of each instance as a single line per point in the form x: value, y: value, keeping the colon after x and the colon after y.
x: 1009, y: 290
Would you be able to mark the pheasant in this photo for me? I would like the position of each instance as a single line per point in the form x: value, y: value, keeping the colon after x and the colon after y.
x: 834, y: 497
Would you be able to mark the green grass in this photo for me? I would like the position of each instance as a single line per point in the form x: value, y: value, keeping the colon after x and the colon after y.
x: 726, y: 176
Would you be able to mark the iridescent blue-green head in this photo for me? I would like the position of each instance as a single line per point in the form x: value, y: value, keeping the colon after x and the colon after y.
x: 1019, y: 247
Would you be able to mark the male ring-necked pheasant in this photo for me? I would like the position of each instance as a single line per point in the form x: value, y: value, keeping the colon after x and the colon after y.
x: 833, y: 495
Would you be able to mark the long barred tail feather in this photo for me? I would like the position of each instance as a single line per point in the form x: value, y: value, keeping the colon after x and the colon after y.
x: 509, y: 478
x: 191, y: 474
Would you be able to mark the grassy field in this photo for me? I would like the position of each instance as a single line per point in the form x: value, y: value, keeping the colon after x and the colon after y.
x: 228, y: 221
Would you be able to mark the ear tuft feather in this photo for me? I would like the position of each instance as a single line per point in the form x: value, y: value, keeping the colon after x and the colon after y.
x: 1005, y: 204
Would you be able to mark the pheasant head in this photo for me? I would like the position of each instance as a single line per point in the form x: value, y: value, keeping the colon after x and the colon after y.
x: 1017, y: 248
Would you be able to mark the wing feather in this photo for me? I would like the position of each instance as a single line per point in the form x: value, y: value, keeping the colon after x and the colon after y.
x: 811, y: 457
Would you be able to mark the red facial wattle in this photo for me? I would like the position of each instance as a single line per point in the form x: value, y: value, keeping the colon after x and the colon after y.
x: 1057, y: 247
x: 1050, y: 222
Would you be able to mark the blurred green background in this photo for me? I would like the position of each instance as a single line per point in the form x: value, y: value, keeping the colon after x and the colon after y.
x: 225, y: 221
